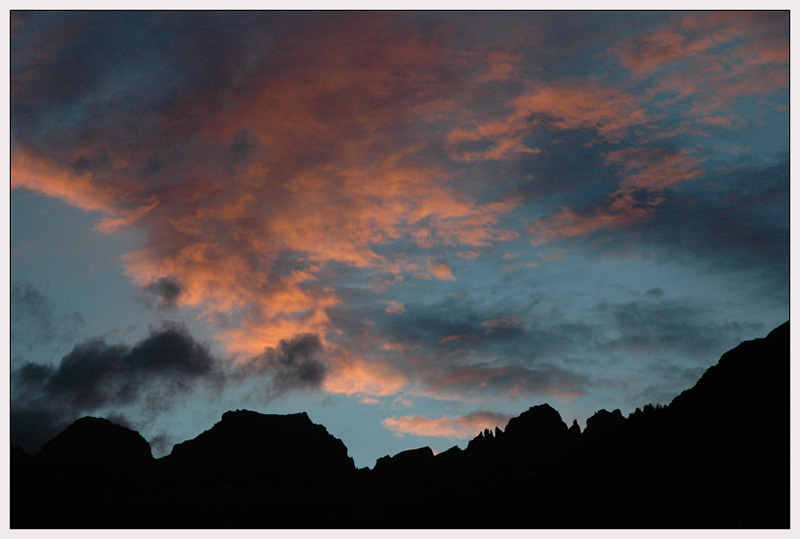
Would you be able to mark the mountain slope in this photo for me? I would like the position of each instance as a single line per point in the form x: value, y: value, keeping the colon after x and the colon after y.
x: 716, y: 457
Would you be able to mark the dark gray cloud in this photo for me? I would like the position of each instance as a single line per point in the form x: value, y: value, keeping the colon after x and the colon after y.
x: 35, y: 321
x: 96, y: 375
x: 734, y: 220
x: 669, y: 327
x: 456, y: 326
x: 152, y: 373
x: 572, y: 171
x: 655, y: 293
x: 36, y: 423
x: 297, y: 363
x: 672, y: 378
x: 166, y: 290
x: 444, y: 325
x: 28, y: 302
x: 744, y: 221
x: 457, y: 348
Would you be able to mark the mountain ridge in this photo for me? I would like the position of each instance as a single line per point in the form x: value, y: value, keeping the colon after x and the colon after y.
x: 716, y: 456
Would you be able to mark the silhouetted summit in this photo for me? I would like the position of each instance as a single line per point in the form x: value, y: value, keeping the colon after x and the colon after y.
x: 541, y: 424
x: 256, y: 470
x: 604, y: 422
x: 716, y: 457
x: 258, y: 446
x: 418, y: 460
x: 93, y: 442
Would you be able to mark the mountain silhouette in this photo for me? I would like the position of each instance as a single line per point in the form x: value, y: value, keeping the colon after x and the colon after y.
x: 93, y: 443
x: 716, y: 457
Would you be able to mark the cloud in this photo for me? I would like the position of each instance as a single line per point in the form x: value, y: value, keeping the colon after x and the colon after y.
x: 327, y: 171
x: 95, y: 374
x: 34, y: 321
x: 653, y: 168
x: 294, y: 364
x: 462, y: 427
x: 273, y: 172
x: 606, y: 110
x: 648, y: 52
x: 358, y: 376
x: 166, y: 290
x: 395, y: 307
x: 28, y: 302
x: 507, y: 321
x: 470, y: 381
x: 741, y: 224
x: 659, y: 326
x: 35, y: 424
x: 646, y: 173
x: 441, y: 271
x: 712, y: 59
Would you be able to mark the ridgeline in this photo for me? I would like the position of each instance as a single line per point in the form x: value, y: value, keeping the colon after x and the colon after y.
x: 716, y: 457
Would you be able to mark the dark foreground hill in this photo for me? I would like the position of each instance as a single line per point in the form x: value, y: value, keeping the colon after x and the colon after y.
x: 716, y: 457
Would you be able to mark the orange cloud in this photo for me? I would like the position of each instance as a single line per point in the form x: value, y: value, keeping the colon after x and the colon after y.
x: 469, y: 255
x: 508, y: 321
x: 465, y: 337
x: 441, y: 271
x: 645, y: 170
x: 329, y: 168
x: 723, y: 56
x: 392, y: 346
x: 569, y: 105
x: 352, y: 375
x: 567, y: 223
x: 395, y: 307
x: 650, y: 51
x: 583, y: 105
x: 117, y: 199
x: 654, y: 169
x: 719, y: 121
x: 485, y: 381
x: 461, y: 427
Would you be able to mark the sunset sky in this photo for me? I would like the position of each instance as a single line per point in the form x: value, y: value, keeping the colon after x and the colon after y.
x: 411, y: 225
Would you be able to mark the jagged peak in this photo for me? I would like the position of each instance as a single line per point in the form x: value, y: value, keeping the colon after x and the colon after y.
x: 541, y: 419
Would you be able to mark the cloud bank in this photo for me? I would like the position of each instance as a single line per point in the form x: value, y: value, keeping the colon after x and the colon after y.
x: 379, y: 204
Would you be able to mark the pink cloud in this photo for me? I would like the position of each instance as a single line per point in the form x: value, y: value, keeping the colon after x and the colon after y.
x: 394, y: 346
x: 441, y: 271
x: 718, y: 121
x: 462, y: 337
x: 582, y: 104
x: 461, y: 427
x: 395, y: 307
x: 645, y: 171
x: 653, y: 169
x: 469, y: 255
x: 723, y: 56
x: 351, y: 375
x: 508, y: 321
x: 650, y: 51
x: 332, y: 174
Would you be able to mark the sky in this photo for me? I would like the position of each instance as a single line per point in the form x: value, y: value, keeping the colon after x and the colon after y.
x: 412, y: 226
